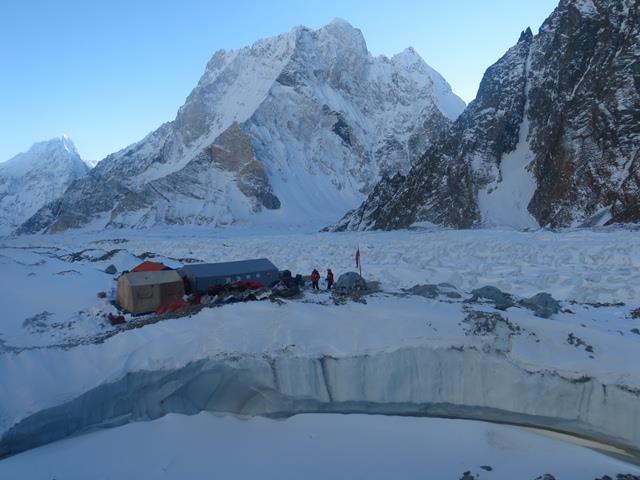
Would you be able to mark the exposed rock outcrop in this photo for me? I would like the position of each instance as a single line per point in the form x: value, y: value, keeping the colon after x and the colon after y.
x: 551, y: 139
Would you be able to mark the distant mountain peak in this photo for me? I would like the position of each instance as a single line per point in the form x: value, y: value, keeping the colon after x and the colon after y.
x: 68, y: 144
x: 32, y: 179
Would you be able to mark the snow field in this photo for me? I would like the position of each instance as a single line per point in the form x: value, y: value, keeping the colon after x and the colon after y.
x: 311, y: 447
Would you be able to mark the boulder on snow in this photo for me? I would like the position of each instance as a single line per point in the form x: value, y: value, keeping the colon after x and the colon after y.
x: 542, y: 304
x: 434, y: 291
x: 111, y: 270
x: 500, y: 299
x: 426, y: 291
x: 350, y: 282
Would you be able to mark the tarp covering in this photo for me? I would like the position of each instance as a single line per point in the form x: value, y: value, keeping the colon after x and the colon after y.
x: 144, y: 292
x: 150, y: 267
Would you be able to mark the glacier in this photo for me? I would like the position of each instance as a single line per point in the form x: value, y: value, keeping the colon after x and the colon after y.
x: 395, y: 354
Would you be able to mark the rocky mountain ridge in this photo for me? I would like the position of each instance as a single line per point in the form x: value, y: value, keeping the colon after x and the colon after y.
x: 551, y: 139
x: 294, y: 129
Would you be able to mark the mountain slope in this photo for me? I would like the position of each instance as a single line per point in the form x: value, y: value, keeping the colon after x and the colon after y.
x: 32, y: 179
x: 551, y: 139
x: 294, y: 129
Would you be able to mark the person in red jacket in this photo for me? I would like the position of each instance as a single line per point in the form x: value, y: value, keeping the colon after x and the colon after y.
x: 315, y: 279
x: 329, y: 279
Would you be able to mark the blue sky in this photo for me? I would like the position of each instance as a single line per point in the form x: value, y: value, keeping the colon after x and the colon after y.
x: 109, y: 72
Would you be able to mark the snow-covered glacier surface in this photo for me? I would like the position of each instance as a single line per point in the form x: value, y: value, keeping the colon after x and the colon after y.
x: 313, y: 447
x: 65, y: 371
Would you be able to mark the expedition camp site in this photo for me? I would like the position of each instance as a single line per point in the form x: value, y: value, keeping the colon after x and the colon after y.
x: 152, y: 288
x: 171, y: 321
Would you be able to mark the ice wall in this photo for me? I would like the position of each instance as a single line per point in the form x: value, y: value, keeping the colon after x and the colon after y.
x: 426, y: 380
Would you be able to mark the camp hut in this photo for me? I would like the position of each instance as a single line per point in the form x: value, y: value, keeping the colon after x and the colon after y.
x: 203, y: 276
x: 148, y: 266
x: 144, y: 292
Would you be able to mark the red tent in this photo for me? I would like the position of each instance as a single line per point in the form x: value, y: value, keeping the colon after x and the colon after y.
x: 150, y: 267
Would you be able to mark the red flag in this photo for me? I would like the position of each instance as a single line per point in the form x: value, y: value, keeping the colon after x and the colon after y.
x: 358, y: 257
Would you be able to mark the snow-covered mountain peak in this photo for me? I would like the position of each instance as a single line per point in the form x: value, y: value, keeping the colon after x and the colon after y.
x: 36, y: 177
x: 68, y: 144
x: 60, y: 151
x: 314, y: 117
x: 408, y: 56
x: 346, y: 33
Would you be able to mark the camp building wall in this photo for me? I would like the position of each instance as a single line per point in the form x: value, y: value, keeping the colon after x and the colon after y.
x: 143, y: 292
x: 205, y: 275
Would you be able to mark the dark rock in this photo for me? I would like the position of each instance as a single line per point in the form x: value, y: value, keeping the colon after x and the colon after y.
x: 427, y: 291
x: 467, y: 476
x: 116, y: 319
x: 577, y: 83
x: 434, y: 291
x: 101, y: 295
x: 578, y: 342
x: 449, y: 291
x: 620, y: 476
x: 487, y: 468
x: 111, y: 270
x: 635, y: 314
x: 636, y: 331
x: 485, y: 323
x: 542, y: 304
x: 500, y: 299
x: 546, y: 476
x: 291, y: 292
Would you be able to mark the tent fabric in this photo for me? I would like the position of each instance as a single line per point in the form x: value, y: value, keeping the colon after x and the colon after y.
x: 350, y: 282
x: 204, y: 276
x: 147, y: 266
x: 144, y: 292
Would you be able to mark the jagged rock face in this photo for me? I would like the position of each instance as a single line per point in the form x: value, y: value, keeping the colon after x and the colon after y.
x: 551, y: 139
x: 32, y: 179
x: 234, y: 152
x: 441, y: 187
x: 587, y: 160
x: 296, y: 128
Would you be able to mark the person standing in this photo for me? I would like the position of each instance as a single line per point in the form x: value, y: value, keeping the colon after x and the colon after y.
x: 329, y: 279
x: 315, y: 279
